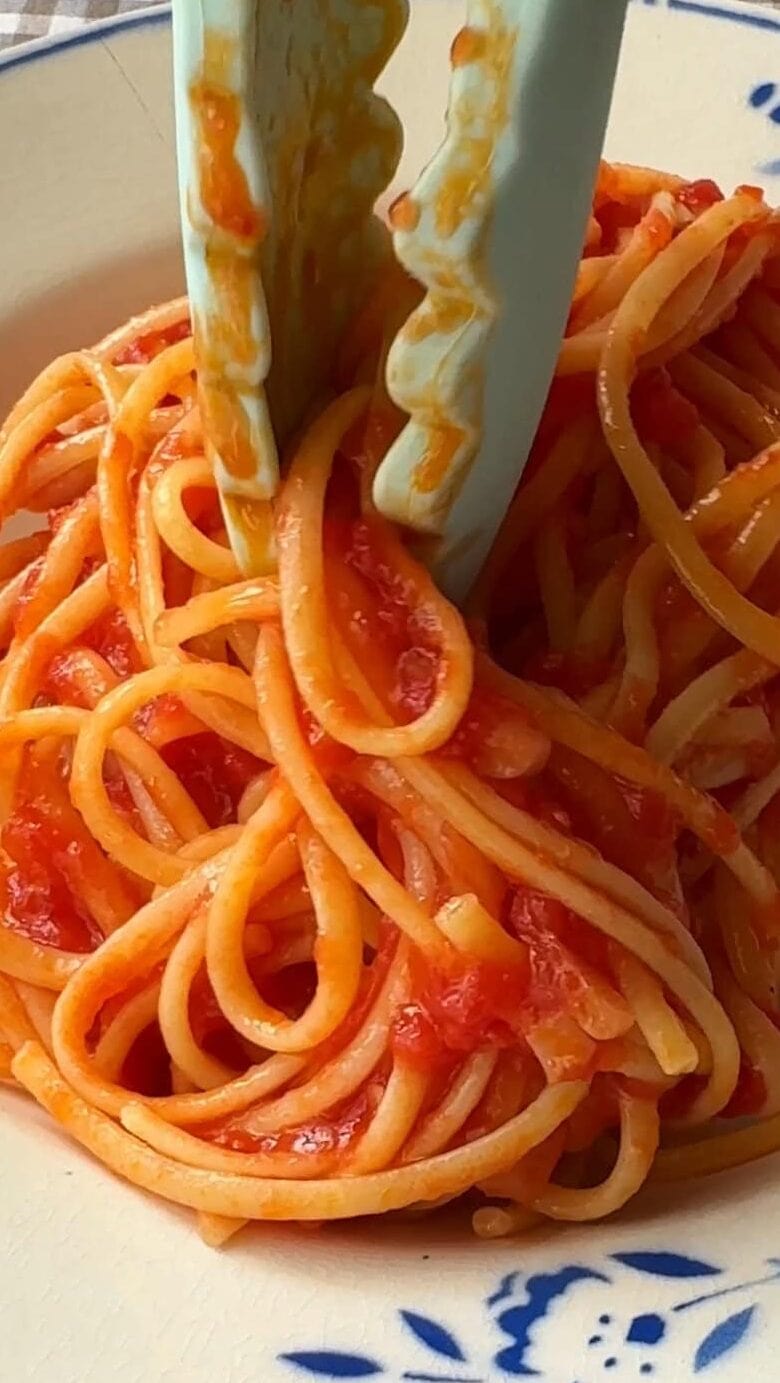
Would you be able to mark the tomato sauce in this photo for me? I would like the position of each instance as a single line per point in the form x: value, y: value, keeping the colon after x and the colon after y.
x: 110, y: 637
x: 49, y: 851
x: 147, y: 1066
x: 495, y: 737
x: 210, y: 1027
x: 224, y: 188
x: 479, y: 1005
x: 632, y: 826
x: 471, y: 1005
x: 62, y: 682
x: 36, y: 901
x: 574, y: 673
x: 614, y: 218
x: 161, y: 719
x: 699, y: 195
x: 387, y: 622
x: 290, y: 990
x: 335, y: 1132
x: 660, y: 412
x: 563, y: 950
x: 216, y: 111
x: 145, y: 348
x: 416, y: 675
x: 214, y: 772
x: 415, y: 1039
x: 120, y: 796
x: 535, y: 795
x: 474, y: 1005
x: 202, y: 506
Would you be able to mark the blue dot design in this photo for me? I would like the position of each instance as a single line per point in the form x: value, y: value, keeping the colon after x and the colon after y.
x: 646, y: 1330
x: 763, y: 96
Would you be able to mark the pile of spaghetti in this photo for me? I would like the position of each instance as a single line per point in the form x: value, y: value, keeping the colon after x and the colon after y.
x: 321, y: 899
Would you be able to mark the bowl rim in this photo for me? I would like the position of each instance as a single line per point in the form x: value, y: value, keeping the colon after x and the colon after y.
x: 632, y: 1265
x: 753, y: 13
x: 92, y: 31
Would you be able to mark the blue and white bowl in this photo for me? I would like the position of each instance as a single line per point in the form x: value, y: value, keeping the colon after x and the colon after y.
x: 96, y: 1281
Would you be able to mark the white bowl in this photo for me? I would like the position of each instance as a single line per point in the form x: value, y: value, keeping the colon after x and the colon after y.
x: 97, y: 1280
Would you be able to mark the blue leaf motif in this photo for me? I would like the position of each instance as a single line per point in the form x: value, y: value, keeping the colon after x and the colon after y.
x: 761, y: 94
x: 326, y: 1363
x: 725, y: 1337
x: 667, y: 1264
x: 433, y: 1335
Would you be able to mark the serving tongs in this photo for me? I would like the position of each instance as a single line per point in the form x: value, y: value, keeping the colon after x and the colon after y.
x: 284, y: 149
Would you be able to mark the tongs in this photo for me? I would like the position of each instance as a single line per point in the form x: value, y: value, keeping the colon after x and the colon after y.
x: 284, y: 150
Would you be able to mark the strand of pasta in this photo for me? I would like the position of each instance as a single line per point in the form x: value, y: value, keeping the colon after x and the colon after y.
x: 244, y: 1197
x: 294, y: 880
x: 639, y: 1134
x: 751, y: 625
x: 301, y: 568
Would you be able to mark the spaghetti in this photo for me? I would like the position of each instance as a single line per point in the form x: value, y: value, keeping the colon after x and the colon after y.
x: 322, y: 901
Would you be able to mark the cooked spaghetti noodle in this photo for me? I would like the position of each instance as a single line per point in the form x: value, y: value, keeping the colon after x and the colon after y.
x: 321, y: 901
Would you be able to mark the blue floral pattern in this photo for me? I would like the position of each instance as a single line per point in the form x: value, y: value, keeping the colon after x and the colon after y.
x: 736, y: 13
x: 765, y: 98
x: 523, y: 1315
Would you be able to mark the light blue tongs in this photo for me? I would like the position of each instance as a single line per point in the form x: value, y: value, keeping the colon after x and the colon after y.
x: 283, y: 150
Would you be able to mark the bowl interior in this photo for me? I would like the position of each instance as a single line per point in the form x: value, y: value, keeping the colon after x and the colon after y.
x: 91, y: 236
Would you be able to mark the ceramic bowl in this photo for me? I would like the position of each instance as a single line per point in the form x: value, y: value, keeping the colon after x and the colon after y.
x: 98, y: 1281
